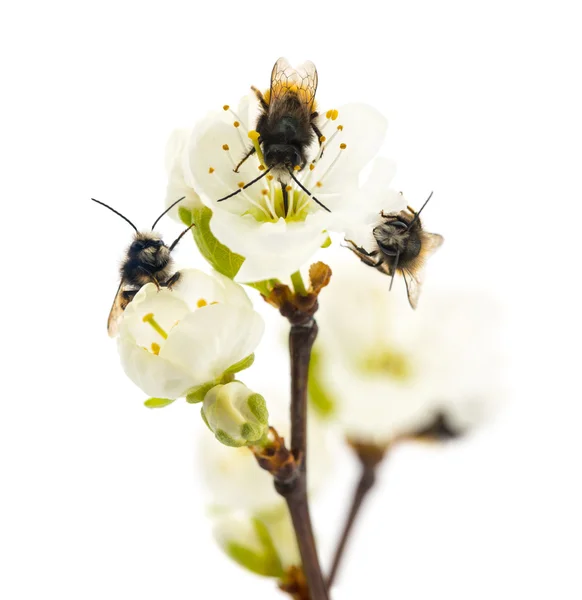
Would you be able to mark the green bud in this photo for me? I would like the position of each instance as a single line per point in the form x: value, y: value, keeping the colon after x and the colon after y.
x: 236, y: 415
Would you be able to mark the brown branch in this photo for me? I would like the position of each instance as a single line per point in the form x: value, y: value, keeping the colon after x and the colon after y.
x: 370, y: 457
x: 301, y: 339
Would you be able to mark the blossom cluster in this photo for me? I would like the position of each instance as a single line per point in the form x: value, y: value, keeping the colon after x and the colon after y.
x: 380, y: 373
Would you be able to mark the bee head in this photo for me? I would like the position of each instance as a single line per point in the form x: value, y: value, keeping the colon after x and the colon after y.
x: 284, y: 155
x: 149, y: 248
x: 397, y: 236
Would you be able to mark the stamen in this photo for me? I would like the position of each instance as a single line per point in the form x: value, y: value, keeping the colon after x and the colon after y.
x: 246, y: 196
x: 210, y: 170
x: 226, y: 148
x: 297, y: 167
x: 264, y: 192
x: 225, y: 107
x: 319, y: 184
x: 333, y: 162
x: 311, y: 166
x: 290, y: 199
x: 241, y: 184
x: 262, y: 167
x: 340, y: 127
x: 270, y: 177
x: 332, y: 114
x: 254, y: 136
x: 322, y: 139
x: 155, y: 348
x: 149, y: 318
x: 324, y: 147
x: 236, y: 124
x: 201, y: 303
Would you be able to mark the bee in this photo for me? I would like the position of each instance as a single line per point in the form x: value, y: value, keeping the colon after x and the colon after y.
x: 402, y: 246
x: 147, y: 260
x: 287, y: 125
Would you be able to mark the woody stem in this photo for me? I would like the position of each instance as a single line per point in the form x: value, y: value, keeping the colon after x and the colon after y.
x: 301, y: 339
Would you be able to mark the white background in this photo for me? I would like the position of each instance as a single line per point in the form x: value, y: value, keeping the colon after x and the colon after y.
x: 100, y: 497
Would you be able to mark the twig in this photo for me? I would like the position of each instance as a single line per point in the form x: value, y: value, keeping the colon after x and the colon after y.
x: 301, y: 339
x: 370, y: 457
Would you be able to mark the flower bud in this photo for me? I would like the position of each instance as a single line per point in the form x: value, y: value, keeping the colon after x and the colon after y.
x: 236, y: 415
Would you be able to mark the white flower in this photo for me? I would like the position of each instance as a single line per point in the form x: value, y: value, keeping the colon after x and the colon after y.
x: 179, y: 184
x: 264, y: 544
x: 236, y: 415
x: 392, y: 370
x: 254, y: 223
x: 173, y: 341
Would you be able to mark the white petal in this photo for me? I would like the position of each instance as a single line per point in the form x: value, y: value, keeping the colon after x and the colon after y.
x: 364, y: 129
x: 156, y: 376
x: 177, y: 185
x: 198, y: 289
x: 271, y: 250
x: 210, y: 340
x: 212, y: 167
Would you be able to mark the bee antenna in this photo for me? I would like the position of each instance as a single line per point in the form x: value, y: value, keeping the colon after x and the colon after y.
x: 116, y: 212
x: 244, y: 187
x: 175, y: 242
x: 418, y: 213
x: 167, y: 209
x: 394, y: 269
x: 307, y: 191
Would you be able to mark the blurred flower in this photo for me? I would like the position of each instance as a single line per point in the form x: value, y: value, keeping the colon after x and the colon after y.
x: 386, y: 371
x: 173, y: 342
x: 264, y: 544
x: 254, y: 223
x: 236, y: 415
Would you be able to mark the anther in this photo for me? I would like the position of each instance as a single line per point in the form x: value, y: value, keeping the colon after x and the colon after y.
x: 343, y: 146
x: 201, y: 303
x: 288, y: 188
x: 155, y: 348
x: 225, y: 147
x: 319, y: 184
x: 311, y: 166
x: 211, y: 170
x: 264, y: 192
x: 332, y: 114
x: 236, y: 124
x: 322, y: 139
x: 149, y: 318
x: 340, y: 127
x: 297, y: 167
x: 241, y: 184
x: 270, y: 177
x: 225, y: 107
x: 262, y: 167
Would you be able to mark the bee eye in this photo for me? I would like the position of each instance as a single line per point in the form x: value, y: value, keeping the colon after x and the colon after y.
x: 400, y: 224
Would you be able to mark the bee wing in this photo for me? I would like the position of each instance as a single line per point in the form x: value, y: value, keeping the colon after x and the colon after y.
x: 302, y: 81
x: 431, y: 242
x: 414, y: 278
x: 117, y: 308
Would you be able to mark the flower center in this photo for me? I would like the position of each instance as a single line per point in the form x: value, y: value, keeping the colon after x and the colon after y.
x: 384, y: 361
x: 270, y: 199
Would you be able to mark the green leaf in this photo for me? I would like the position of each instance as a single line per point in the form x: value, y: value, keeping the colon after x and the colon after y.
x: 241, y: 365
x: 320, y: 398
x: 270, y: 552
x: 218, y: 255
x: 158, y: 402
x: 185, y: 215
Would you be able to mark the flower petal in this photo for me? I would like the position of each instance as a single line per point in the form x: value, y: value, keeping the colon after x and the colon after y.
x: 210, y: 340
x: 156, y: 376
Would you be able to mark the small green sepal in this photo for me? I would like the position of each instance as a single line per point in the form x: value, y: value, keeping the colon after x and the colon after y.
x: 158, y: 402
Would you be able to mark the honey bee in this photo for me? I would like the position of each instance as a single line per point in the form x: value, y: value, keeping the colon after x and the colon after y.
x: 402, y: 246
x: 147, y: 259
x: 287, y: 125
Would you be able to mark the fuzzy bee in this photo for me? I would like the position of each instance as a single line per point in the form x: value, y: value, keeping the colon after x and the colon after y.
x: 287, y: 124
x: 402, y: 246
x: 147, y: 260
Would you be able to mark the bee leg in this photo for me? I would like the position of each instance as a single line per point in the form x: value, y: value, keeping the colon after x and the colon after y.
x: 151, y: 276
x: 366, y: 257
x: 260, y: 97
x: 173, y: 280
x: 317, y: 133
x: 249, y: 153
x: 285, y: 198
